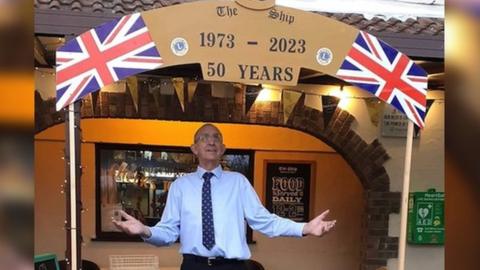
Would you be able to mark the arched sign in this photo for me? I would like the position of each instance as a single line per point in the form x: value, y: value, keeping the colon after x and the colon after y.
x: 247, y: 41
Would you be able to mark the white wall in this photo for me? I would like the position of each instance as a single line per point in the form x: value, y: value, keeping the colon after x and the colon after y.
x: 427, y: 168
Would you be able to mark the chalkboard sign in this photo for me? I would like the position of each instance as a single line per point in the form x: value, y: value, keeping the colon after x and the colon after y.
x: 288, y: 189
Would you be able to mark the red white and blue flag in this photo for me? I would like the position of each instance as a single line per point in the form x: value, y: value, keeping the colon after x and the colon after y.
x: 103, y: 55
x: 390, y: 75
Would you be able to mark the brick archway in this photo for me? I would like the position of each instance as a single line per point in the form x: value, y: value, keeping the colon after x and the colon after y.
x: 366, y: 159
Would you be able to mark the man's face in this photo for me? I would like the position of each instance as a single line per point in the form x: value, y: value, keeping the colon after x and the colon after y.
x: 208, y: 146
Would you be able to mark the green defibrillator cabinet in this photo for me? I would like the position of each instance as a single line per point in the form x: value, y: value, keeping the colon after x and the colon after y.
x: 426, y: 222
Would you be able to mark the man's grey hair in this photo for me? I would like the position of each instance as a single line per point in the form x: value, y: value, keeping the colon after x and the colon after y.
x: 196, y: 136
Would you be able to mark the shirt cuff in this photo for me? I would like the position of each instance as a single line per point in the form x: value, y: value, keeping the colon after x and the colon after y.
x: 299, y: 229
x: 148, y: 239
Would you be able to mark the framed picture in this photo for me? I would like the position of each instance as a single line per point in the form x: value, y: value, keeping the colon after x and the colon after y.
x: 137, y: 178
x: 288, y: 188
x: 395, y: 123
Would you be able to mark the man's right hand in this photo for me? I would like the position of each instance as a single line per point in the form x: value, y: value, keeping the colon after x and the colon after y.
x: 132, y: 226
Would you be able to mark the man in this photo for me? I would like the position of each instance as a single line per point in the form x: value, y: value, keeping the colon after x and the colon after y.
x: 207, y: 210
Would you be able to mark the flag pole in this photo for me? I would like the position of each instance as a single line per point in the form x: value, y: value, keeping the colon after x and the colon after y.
x: 405, y: 192
x: 73, y: 190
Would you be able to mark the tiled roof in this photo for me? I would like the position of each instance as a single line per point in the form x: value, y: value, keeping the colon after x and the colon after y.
x: 425, y: 26
x: 105, y: 6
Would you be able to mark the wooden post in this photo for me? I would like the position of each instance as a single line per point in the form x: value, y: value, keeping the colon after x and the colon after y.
x: 72, y: 186
x: 402, y: 240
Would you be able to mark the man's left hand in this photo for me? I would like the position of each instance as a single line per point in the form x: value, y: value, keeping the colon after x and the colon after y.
x: 319, y: 226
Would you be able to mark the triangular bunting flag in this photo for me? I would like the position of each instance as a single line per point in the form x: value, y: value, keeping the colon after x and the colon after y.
x: 238, y: 91
x: 116, y: 87
x: 416, y: 130
x: 178, y: 84
x: 86, y: 108
x: 222, y: 90
x: 290, y: 99
x: 166, y: 87
x: 375, y: 107
x: 251, y: 94
x: 132, y: 86
x: 192, y: 86
x: 154, y: 88
x: 45, y: 83
x: 329, y: 105
x: 95, y: 105
x: 429, y: 104
x: 313, y: 101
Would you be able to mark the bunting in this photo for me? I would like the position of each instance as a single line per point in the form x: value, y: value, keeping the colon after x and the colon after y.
x: 251, y: 94
x: 313, y: 101
x: 95, y: 102
x: 329, y: 105
x: 116, y: 87
x: 87, y: 105
x: 154, y: 87
x: 132, y: 86
x: 290, y: 99
x: 166, y: 87
x: 222, y: 90
x: 178, y: 84
x: 375, y: 108
x: 192, y: 87
x: 429, y: 104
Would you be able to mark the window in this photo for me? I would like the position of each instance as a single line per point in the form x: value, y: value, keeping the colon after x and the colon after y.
x: 137, y: 178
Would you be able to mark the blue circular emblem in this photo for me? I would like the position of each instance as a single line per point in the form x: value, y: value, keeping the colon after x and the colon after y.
x: 179, y: 46
x: 324, y: 56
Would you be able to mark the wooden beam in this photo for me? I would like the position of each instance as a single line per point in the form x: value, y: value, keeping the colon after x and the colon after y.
x: 39, y: 52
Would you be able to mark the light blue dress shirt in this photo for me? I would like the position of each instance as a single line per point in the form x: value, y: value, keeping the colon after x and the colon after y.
x: 233, y: 200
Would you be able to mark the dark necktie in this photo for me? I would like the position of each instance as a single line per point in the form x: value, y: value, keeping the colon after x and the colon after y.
x: 208, y: 232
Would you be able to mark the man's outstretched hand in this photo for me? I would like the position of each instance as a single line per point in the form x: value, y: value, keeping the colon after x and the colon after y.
x: 131, y: 225
x: 319, y: 226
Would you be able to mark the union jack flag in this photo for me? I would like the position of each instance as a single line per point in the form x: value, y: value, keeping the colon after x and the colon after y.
x: 390, y: 75
x: 103, y: 55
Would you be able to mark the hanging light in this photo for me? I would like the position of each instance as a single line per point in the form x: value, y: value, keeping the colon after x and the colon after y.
x: 338, y: 92
x: 269, y: 94
x: 345, y: 98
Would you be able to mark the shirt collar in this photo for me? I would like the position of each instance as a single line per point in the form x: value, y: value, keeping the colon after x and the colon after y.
x: 217, y: 171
